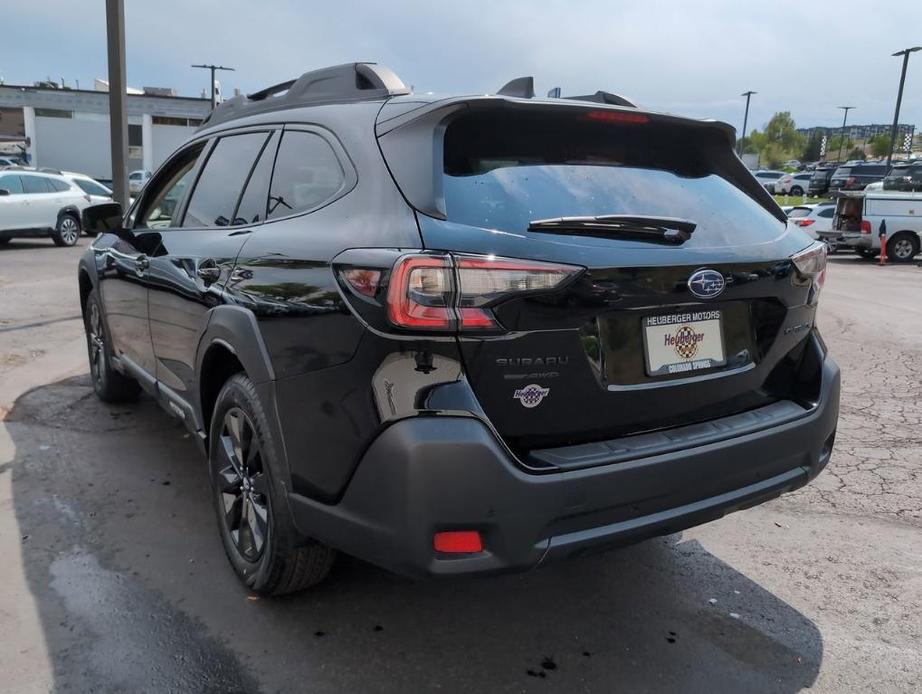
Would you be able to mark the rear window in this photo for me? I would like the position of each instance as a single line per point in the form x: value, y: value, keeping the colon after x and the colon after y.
x: 501, y: 171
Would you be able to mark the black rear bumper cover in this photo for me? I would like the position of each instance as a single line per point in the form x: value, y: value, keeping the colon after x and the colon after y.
x: 429, y: 474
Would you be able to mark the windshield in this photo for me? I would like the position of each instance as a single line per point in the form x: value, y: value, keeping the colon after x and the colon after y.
x: 504, y: 174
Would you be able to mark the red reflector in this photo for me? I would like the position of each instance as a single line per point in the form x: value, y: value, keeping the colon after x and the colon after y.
x: 365, y: 282
x: 458, y: 542
x: 617, y: 117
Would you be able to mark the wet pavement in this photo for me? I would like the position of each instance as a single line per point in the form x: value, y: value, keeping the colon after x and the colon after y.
x: 116, y: 580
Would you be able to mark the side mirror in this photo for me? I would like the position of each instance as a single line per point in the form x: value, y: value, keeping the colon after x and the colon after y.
x: 4, y: 191
x: 103, y: 218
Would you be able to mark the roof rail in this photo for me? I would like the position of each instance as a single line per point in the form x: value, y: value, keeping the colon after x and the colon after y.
x: 348, y: 82
x: 601, y: 97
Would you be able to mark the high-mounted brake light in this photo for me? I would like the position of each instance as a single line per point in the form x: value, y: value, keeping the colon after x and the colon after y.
x: 436, y: 292
x: 810, y: 265
x: 617, y: 117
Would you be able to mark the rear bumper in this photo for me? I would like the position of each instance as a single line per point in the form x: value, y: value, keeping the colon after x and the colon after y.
x: 856, y: 240
x: 428, y: 474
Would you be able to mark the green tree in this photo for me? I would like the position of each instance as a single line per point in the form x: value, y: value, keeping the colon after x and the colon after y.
x: 856, y: 153
x: 880, y: 145
x: 811, y: 151
x: 781, y: 130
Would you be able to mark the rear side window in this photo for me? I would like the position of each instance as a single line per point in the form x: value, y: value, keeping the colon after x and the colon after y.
x: 252, y: 206
x: 870, y: 170
x: 826, y: 212
x: 843, y: 171
x: 58, y: 185
x: 502, y: 171
x: 92, y: 187
x: 11, y: 183
x: 35, y: 184
x: 798, y: 212
x: 215, y: 195
x: 307, y: 174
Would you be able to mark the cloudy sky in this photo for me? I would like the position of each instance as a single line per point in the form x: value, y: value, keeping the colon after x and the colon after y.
x: 692, y: 57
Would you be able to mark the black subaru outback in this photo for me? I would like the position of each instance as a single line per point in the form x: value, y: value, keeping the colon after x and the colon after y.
x: 462, y: 335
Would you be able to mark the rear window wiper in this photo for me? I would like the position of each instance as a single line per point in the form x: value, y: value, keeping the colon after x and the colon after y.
x: 667, y: 230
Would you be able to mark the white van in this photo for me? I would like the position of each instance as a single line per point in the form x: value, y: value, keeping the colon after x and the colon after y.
x: 859, y: 216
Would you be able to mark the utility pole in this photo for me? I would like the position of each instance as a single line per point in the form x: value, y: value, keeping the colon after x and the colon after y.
x: 899, y: 98
x: 748, y: 95
x: 118, y: 120
x: 842, y: 136
x: 213, y: 68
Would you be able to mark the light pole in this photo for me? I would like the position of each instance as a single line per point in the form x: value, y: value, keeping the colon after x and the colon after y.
x: 213, y: 68
x: 118, y: 118
x: 842, y: 137
x: 899, y: 98
x: 748, y: 95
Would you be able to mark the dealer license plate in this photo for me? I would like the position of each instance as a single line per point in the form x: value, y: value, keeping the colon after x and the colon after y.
x: 683, y: 342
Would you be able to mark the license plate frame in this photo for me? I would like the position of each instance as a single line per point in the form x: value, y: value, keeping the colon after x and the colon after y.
x: 698, y: 333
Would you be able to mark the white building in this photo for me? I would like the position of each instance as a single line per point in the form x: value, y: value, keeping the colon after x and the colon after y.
x: 69, y: 128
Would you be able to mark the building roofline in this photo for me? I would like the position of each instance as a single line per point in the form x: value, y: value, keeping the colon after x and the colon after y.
x: 69, y: 90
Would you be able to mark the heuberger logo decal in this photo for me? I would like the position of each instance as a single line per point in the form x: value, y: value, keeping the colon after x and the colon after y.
x: 684, y: 341
x: 531, y: 395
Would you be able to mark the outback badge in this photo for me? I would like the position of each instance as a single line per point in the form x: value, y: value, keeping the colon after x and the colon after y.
x: 706, y: 284
x: 531, y: 395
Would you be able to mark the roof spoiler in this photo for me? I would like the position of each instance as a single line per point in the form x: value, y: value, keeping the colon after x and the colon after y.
x: 524, y: 88
x: 348, y: 82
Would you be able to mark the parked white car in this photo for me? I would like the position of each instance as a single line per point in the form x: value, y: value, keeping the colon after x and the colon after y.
x: 34, y: 203
x: 816, y: 220
x: 768, y: 178
x: 137, y: 180
x: 859, y: 217
x: 793, y: 184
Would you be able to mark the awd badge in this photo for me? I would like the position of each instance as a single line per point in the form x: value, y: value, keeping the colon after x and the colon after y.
x: 531, y: 395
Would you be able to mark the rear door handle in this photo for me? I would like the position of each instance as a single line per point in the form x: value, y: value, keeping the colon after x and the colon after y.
x: 208, y: 271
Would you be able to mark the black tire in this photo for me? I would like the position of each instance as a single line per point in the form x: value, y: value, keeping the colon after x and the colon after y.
x: 91, y: 234
x: 4, y: 240
x: 902, y: 247
x: 109, y: 384
x: 797, y: 190
x: 254, y: 521
x: 67, y: 231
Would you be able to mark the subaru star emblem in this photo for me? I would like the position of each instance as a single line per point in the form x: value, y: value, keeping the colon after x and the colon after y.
x: 706, y: 284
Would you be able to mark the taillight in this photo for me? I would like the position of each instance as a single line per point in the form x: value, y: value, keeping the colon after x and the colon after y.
x: 804, y: 222
x: 420, y: 293
x: 442, y: 292
x: 849, y: 181
x: 810, y: 265
x: 865, y: 226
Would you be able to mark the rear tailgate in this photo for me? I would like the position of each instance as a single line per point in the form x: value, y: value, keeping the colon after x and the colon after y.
x: 627, y: 346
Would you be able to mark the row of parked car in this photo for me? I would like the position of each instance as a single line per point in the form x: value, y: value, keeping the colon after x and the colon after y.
x: 856, y: 221
x: 853, y: 175
x: 46, y: 203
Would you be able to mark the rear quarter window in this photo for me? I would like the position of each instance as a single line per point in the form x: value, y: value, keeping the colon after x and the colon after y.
x: 307, y: 174
x: 503, y: 171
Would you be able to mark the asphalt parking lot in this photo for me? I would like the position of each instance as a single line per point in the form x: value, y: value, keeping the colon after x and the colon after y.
x: 114, y: 578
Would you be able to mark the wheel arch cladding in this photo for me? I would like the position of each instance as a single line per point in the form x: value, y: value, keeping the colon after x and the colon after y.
x: 71, y: 211
x: 86, y: 286
x: 230, y: 343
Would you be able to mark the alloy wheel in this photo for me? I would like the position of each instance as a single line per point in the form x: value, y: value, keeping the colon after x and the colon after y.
x: 902, y: 249
x: 242, y: 485
x: 69, y: 230
x: 97, y: 346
